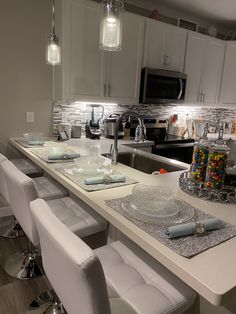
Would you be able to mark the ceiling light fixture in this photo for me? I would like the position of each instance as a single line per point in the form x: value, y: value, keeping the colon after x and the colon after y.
x: 111, y: 25
x: 53, y: 50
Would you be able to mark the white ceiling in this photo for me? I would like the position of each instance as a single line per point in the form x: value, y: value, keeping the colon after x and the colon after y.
x: 221, y: 11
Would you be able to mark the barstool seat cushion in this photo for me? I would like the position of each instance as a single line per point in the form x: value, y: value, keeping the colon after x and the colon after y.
x: 48, y: 188
x: 26, y: 166
x: 139, y: 284
x: 77, y: 216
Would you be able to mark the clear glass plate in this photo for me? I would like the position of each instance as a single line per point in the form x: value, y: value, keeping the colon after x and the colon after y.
x: 172, y: 211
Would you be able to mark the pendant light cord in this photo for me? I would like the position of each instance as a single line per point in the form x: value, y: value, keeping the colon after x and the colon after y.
x: 53, y: 17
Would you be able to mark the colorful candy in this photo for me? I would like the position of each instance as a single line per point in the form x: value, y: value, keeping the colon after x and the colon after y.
x: 199, y: 163
x: 215, y: 173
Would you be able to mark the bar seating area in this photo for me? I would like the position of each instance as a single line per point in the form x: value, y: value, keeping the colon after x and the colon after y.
x: 116, y: 277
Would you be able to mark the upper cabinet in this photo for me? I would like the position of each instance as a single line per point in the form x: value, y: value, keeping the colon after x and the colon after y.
x: 123, y: 76
x: 203, y: 66
x: 228, y: 90
x: 88, y: 73
x: 164, y: 46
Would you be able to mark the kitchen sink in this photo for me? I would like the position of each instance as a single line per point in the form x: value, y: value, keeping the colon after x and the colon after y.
x: 143, y: 163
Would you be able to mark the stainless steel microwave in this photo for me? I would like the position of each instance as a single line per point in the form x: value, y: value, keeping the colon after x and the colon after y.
x: 161, y: 86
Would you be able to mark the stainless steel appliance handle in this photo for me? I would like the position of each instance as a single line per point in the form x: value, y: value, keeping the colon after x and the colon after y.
x: 204, y: 94
x: 109, y: 90
x: 181, y: 89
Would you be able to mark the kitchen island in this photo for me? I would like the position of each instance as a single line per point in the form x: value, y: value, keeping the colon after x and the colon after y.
x: 211, y: 273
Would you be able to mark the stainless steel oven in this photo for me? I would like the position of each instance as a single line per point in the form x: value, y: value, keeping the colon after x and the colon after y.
x: 161, y: 86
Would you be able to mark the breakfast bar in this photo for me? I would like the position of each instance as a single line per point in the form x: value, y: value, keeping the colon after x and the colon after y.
x: 212, y: 273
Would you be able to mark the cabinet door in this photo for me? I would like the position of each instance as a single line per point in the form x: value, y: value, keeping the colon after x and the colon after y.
x: 214, y: 57
x: 125, y: 65
x: 175, y: 45
x: 85, y: 69
x: 154, y: 44
x: 228, y: 90
x: 196, y: 44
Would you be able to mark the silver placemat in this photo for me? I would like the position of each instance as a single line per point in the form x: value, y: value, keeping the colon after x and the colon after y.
x: 186, y: 246
x: 79, y: 180
x: 43, y: 154
x: 26, y: 144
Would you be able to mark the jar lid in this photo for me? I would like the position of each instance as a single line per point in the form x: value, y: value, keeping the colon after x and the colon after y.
x: 220, y: 145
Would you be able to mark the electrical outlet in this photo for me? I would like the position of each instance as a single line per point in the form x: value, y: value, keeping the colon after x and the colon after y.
x: 30, y: 117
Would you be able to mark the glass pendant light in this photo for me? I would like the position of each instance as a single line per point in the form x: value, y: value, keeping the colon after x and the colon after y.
x: 53, y: 51
x: 111, y: 25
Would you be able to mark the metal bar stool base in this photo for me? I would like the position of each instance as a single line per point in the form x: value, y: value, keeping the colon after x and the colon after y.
x: 10, y: 230
x: 23, y: 266
x: 46, y: 303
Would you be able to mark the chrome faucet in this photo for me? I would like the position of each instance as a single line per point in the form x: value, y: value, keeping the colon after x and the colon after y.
x: 141, y: 137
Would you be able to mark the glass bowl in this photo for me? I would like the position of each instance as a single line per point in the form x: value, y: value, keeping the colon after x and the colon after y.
x: 92, y: 166
x: 33, y: 139
x: 33, y: 136
x: 155, y: 196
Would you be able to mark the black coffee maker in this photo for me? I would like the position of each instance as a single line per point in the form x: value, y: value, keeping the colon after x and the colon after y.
x: 92, y: 128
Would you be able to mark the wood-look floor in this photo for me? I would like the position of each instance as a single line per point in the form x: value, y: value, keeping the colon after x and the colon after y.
x: 16, y: 295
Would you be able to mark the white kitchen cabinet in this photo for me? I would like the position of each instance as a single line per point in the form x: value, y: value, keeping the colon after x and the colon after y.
x: 203, y: 66
x: 228, y: 87
x: 124, y: 70
x: 82, y: 72
x: 88, y: 73
x: 164, y: 46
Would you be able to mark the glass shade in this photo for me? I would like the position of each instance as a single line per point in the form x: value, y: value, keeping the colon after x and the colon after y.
x: 53, y: 51
x: 111, y: 25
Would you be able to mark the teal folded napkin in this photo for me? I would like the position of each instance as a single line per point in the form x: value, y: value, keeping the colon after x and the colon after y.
x: 189, y: 228
x: 63, y: 156
x: 104, y: 179
x: 34, y: 142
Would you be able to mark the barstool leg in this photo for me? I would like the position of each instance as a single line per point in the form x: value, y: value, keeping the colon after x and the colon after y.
x: 24, y: 265
x: 10, y: 228
x: 46, y: 303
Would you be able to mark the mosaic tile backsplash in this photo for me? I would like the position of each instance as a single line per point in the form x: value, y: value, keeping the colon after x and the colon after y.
x: 79, y: 113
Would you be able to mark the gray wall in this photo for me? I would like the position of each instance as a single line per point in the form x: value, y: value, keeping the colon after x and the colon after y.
x: 25, y: 78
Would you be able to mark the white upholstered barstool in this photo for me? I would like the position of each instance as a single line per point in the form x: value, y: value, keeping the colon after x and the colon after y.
x: 22, y: 190
x: 27, y: 167
x: 115, y: 279
x: 46, y: 187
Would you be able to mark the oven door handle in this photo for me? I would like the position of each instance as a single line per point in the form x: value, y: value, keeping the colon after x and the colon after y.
x: 180, y: 89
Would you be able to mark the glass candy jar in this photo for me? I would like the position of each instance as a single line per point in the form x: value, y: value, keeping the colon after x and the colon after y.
x: 216, y: 167
x: 200, y: 158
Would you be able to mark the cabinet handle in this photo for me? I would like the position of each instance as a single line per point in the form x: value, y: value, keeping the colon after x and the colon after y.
x: 164, y: 61
x: 200, y: 97
x: 109, y: 90
x: 168, y: 60
x: 105, y: 90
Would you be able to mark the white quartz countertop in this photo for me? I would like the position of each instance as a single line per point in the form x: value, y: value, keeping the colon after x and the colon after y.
x: 212, y: 273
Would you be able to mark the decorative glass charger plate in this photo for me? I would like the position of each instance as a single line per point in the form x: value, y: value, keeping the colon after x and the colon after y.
x: 225, y: 195
x: 156, y: 205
